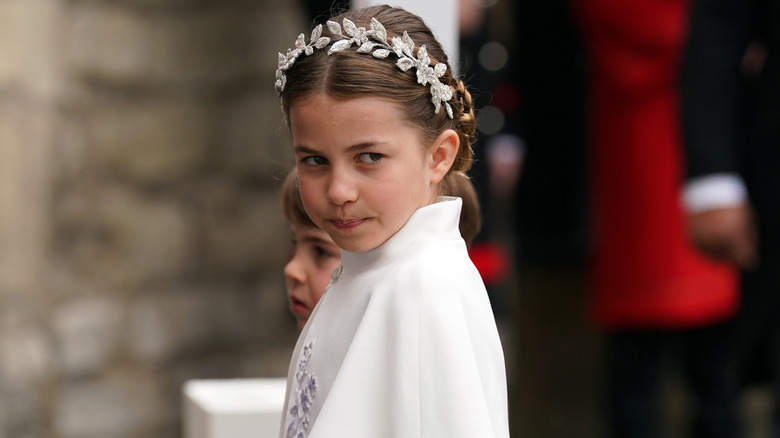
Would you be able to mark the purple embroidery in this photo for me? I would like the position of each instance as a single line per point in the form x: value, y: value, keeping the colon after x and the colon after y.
x: 304, y: 396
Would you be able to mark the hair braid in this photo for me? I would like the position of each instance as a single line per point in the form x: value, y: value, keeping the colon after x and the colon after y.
x: 465, y: 126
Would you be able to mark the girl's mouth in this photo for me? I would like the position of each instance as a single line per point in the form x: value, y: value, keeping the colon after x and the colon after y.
x: 347, y: 224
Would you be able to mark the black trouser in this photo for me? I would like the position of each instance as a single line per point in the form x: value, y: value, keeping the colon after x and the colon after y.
x: 638, y: 362
x: 757, y: 347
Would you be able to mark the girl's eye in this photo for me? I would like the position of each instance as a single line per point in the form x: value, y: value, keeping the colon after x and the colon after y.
x: 370, y: 157
x: 315, y: 160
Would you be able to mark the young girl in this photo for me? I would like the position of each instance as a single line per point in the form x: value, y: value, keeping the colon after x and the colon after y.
x: 403, y: 343
x: 314, y: 255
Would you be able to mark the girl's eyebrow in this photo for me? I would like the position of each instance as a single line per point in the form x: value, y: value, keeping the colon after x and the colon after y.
x: 305, y: 150
x: 355, y: 148
x: 361, y: 146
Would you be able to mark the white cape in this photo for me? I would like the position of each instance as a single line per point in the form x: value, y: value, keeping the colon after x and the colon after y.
x: 403, y: 344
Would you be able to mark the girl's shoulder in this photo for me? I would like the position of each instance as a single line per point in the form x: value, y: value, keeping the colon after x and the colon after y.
x: 432, y: 268
x: 448, y: 267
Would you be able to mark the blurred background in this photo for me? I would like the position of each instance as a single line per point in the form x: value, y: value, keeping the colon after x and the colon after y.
x: 141, y: 239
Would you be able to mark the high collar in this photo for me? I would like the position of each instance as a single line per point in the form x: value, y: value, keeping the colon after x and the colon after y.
x: 435, y: 221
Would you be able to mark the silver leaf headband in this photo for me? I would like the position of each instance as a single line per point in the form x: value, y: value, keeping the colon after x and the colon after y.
x: 379, y: 48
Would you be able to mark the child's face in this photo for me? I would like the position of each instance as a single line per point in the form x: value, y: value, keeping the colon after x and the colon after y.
x: 307, y: 273
x: 362, y: 169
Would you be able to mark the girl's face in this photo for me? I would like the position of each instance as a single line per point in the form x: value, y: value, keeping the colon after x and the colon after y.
x: 307, y: 273
x: 362, y: 169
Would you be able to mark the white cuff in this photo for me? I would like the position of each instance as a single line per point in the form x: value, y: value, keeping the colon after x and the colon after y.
x: 714, y: 191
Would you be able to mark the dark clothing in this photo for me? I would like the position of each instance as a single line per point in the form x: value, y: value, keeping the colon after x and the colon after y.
x: 551, y: 197
x: 637, y: 363
x: 731, y: 122
x: 731, y: 119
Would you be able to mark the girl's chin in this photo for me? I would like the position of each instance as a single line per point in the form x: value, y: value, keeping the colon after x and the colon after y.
x: 353, y: 247
x: 359, y: 245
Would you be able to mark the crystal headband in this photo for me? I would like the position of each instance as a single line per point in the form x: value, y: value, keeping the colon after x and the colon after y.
x: 379, y: 48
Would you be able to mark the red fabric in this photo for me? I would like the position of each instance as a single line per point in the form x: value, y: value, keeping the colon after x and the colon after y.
x: 645, y: 273
x: 491, y: 260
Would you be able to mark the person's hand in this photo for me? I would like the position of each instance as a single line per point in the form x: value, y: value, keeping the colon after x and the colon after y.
x: 727, y: 234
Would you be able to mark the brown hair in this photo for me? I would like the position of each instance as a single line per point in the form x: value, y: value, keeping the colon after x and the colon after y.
x: 349, y: 74
x: 470, y: 216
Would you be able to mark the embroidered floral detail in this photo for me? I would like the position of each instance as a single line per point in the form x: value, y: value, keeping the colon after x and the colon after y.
x: 304, y: 396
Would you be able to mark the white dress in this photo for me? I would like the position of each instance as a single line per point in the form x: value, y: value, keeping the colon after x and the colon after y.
x: 403, y: 343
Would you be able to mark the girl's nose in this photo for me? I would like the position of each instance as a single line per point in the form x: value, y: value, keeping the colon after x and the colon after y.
x: 341, y: 189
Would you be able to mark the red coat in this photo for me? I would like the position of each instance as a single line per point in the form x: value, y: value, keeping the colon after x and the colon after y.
x: 645, y: 273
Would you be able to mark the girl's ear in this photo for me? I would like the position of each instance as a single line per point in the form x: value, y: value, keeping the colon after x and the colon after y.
x: 443, y: 153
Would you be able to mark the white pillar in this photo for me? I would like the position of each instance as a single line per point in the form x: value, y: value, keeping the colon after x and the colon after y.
x: 440, y: 15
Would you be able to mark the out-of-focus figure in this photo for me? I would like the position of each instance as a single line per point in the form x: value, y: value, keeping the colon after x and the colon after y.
x: 653, y: 294
x: 731, y: 118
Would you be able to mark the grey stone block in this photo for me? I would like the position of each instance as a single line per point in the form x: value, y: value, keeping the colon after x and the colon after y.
x: 124, y: 239
x: 151, y: 142
x: 117, y: 45
x: 86, y: 330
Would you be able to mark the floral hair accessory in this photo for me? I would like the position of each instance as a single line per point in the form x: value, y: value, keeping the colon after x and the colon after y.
x: 373, y: 41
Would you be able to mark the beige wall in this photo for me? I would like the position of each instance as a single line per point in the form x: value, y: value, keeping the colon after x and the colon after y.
x: 141, y: 243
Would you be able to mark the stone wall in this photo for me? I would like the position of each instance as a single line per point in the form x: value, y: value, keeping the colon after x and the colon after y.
x: 141, y: 243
